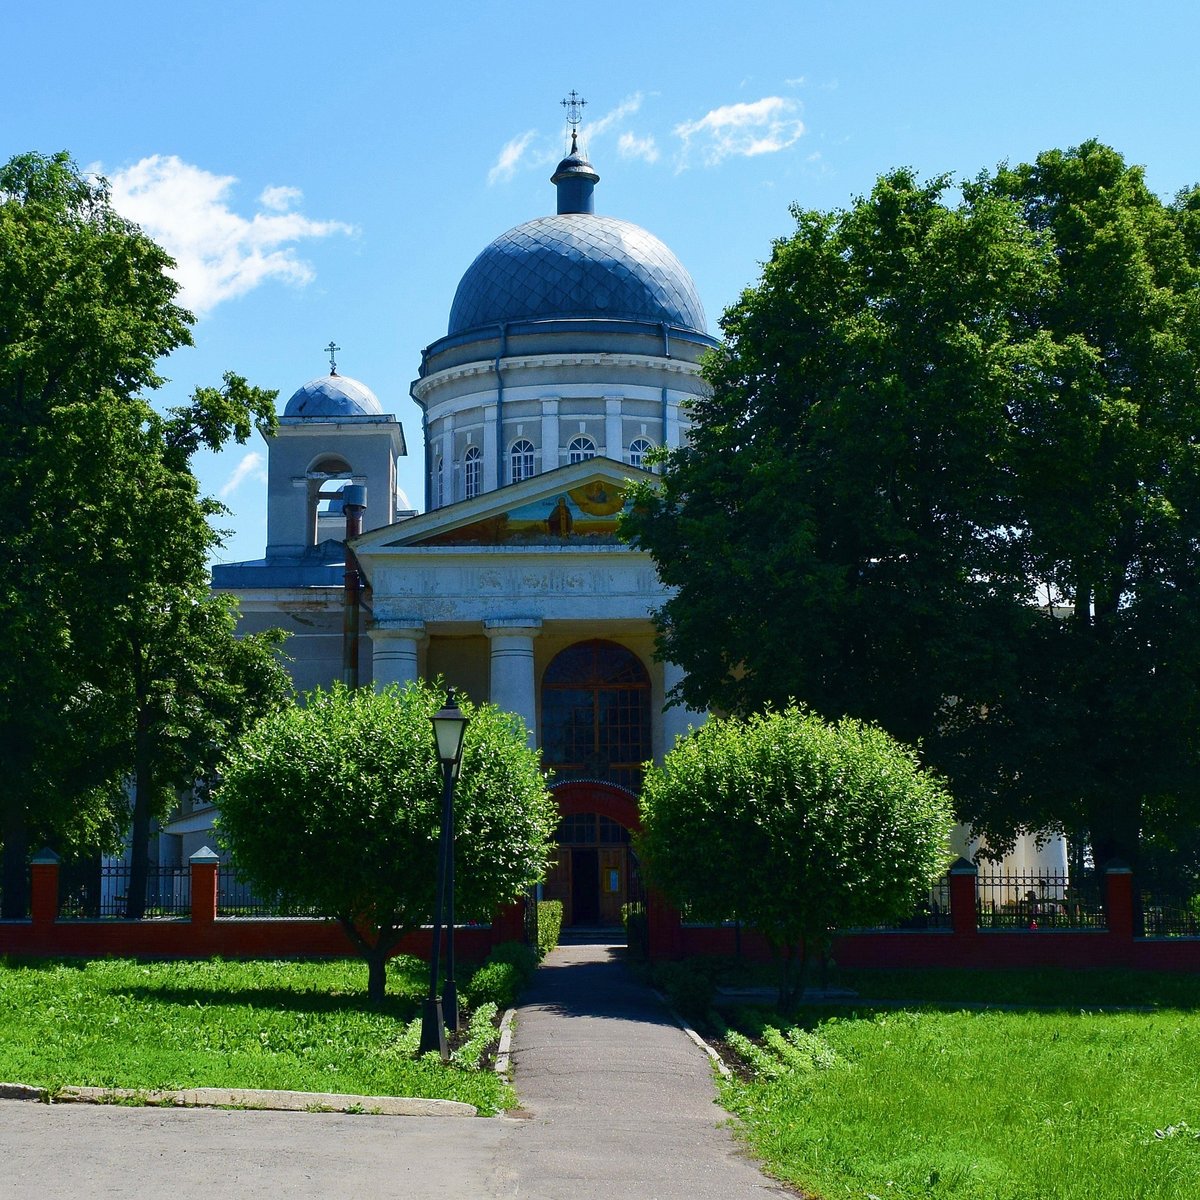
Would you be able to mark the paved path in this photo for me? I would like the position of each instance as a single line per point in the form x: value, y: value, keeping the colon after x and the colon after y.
x: 617, y: 1104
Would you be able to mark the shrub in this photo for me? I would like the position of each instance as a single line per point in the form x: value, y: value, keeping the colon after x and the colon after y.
x: 689, y: 990
x: 550, y: 915
x: 502, y: 977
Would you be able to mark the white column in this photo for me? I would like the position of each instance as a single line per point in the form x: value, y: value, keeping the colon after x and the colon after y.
x: 613, y: 441
x: 550, y: 436
x: 677, y: 719
x: 513, y: 684
x: 395, y: 644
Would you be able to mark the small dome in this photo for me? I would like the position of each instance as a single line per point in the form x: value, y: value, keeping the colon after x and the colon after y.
x: 576, y: 264
x: 333, y: 396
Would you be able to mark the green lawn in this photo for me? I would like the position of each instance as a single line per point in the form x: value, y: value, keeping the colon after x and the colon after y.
x: 303, y: 1026
x: 1062, y: 1103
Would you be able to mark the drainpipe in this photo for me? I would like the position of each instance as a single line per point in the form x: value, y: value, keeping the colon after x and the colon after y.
x: 500, y: 353
x: 666, y: 337
x: 354, y: 502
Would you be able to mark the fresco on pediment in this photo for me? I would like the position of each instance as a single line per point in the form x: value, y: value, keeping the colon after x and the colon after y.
x: 588, y: 513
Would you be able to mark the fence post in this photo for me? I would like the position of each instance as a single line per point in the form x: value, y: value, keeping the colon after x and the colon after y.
x: 204, y: 864
x: 963, y: 875
x: 664, y: 928
x: 508, y: 924
x: 1118, y: 899
x: 43, y: 887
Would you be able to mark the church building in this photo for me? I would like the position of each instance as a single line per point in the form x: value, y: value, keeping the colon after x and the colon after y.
x: 571, y: 350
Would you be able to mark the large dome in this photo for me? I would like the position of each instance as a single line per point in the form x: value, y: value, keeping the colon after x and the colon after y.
x: 333, y: 396
x: 576, y: 264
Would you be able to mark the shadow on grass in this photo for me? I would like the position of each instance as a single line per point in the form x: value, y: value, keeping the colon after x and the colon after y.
x: 401, y: 1008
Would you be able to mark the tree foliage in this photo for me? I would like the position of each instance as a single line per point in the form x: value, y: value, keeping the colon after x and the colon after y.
x: 794, y: 825
x: 336, y: 804
x: 106, y: 537
x: 948, y: 480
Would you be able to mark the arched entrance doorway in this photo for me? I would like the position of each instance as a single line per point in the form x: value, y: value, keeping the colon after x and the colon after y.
x: 594, y: 871
x: 595, y: 721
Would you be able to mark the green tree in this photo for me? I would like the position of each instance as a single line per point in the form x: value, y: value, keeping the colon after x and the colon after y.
x: 939, y: 423
x: 336, y: 804
x: 186, y: 684
x: 795, y: 826
x: 89, y: 474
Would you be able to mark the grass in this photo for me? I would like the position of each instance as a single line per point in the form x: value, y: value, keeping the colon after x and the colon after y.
x: 1060, y: 1102
x: 302, y: 1026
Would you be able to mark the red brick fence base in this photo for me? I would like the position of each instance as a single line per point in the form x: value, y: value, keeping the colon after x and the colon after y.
x: 961, y: 945
x: 203, y: 934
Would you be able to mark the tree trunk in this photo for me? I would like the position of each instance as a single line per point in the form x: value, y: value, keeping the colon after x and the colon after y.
x: 139, y: 848
x: 376, y: 976
x: 14, y: 897
x: 375, y: 955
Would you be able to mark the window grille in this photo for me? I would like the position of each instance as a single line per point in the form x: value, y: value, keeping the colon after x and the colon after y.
x: 472, y: 466
x: 638, y: 449
x: 520, y: 459
x: 580, y: 449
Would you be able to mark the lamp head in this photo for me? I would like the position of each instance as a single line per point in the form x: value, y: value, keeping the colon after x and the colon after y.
x: 449, y: 729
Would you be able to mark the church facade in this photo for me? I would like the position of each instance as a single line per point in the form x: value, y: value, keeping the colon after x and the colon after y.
x: 572, y: 350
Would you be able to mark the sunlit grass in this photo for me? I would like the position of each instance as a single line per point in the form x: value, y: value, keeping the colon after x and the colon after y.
x: 301, y: 1026
x: 984, y: 1104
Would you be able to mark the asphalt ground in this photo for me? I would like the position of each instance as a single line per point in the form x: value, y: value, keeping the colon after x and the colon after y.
x: 616, y: 1102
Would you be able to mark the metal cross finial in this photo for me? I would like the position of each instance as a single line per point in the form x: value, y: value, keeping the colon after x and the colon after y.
x: 574, y: 104
x: 331, y: 350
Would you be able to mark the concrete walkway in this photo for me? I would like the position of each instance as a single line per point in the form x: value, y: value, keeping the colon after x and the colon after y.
x: 617, y: 1104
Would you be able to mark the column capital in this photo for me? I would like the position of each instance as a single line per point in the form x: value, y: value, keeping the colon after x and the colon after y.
x: 512, y: 626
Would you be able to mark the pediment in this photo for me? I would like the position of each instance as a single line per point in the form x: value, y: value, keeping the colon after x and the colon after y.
x: 577, y: 504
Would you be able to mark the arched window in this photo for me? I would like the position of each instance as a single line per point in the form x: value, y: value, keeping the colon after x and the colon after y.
x: 580, y: 449
x: 520, y: 460
x: 472, y: 469
x: 638, y: 449
x: 596, y: 714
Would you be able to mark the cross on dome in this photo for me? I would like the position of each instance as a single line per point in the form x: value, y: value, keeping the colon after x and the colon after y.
x: 331, y: 349
x: 574, y: 104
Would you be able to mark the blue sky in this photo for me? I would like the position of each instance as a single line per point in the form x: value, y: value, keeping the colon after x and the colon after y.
x: 330, y: 172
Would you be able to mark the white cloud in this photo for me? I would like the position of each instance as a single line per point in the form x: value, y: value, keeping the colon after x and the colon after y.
x: 629, y: 145
x: 505, y: 167
x: 626, y: 108
x: 219, y: 253
x: 280, y: 199
x: 762, y: 127
x: 249, y: 466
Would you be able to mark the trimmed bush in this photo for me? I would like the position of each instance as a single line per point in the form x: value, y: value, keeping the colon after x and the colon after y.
x: 502, y: 977
x: 550, y: 916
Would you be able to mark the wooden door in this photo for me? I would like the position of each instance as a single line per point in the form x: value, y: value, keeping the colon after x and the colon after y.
x: 613, y: 860
x: 558, y: 883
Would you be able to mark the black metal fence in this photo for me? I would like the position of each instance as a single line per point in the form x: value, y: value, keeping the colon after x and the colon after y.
x: 933, y: 912
x: 236, y: 898
x: 101, y: 890
x: 28, y: 890
x: 1165, y: 915
x: 1040, y: 901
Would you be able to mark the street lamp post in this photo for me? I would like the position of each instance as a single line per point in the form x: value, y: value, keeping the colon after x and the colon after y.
x: 449, y: 728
